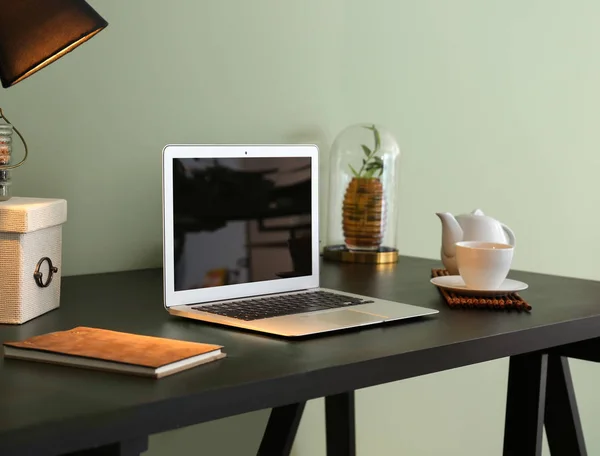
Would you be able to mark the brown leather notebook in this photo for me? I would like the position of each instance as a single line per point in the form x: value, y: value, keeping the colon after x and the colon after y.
x: 114, y: 351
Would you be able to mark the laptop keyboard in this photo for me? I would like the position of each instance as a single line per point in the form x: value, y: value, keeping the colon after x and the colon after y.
x: 277, y: 306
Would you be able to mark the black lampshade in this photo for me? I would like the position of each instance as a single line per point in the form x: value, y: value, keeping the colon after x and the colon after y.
x: 35, y: 33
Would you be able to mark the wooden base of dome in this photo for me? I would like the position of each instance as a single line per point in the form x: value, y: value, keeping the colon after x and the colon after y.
x: 342, y: 254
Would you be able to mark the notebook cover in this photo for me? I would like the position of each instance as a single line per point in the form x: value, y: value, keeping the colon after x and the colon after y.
x: 119, y: 347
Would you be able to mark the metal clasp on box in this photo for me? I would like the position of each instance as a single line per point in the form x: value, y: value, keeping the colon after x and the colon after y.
x: 39, y: 276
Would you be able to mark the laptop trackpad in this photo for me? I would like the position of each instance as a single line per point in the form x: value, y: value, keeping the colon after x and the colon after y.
x: 388, y: 310
x: 313, y: 323
x: 343, y: 317
x: 323, y: 321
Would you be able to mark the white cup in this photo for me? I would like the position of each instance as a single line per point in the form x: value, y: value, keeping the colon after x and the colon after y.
x: 483, y: 265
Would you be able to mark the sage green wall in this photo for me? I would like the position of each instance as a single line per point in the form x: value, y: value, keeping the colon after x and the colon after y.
x: 495, y: 105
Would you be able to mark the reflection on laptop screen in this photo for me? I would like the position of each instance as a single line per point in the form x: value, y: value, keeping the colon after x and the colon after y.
x: 240, y: 220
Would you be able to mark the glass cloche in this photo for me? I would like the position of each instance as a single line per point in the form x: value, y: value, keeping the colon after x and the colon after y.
x: 363, y: 191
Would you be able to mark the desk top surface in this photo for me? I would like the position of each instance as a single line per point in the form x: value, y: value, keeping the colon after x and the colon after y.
x: 63, y: 408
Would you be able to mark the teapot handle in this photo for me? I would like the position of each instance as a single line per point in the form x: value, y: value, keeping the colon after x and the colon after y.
x: 509, y: 233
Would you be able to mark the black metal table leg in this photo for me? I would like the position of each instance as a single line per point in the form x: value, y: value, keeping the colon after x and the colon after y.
x: 563, y: 426
x: 341, y: 424
x: 281, y: 430
x: 525, y: 405
x: 133, y: 447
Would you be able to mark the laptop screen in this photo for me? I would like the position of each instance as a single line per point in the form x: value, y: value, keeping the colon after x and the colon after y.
x: 241, y: 220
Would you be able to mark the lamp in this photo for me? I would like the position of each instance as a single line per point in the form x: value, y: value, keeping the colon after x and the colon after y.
x: 33, y: 34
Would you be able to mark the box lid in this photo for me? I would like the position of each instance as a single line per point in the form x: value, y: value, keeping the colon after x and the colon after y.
x: 23, y: 215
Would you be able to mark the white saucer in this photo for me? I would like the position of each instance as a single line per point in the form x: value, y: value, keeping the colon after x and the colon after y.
x: 456, y: 283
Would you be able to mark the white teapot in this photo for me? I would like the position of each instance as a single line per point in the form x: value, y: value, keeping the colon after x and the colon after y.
x: 475, y: 226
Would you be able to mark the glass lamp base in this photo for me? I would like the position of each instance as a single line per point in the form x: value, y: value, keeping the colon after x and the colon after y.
x: 5, y: 192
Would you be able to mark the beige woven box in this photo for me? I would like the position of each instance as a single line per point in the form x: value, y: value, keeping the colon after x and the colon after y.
x: 30, y: 257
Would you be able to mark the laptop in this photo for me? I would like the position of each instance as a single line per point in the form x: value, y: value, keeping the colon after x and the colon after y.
x: 240, y: 243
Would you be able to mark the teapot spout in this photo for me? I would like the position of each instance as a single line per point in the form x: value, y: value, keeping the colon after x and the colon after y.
x: 451, y: 233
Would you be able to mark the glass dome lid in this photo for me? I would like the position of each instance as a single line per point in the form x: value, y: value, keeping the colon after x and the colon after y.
x: 363, y: 190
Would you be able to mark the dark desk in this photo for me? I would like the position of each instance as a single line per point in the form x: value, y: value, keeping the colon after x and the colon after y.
x: 46, y: 409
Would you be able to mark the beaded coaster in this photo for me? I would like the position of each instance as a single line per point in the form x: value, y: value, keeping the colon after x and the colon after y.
x: 511, y: 301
